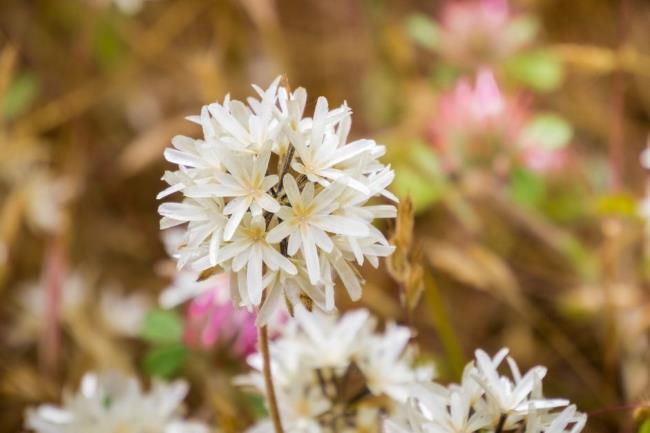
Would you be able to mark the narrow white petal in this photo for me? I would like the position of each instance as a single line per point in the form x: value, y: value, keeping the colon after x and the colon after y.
x: 291, y: 188
x: 254, y: 275
x: 279, y: 232
x: 311, y: 255
x: 342, y: 225
x: 235, y: 219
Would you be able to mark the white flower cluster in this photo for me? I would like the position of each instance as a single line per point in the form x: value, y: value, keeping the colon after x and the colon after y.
x: 337, y: 374
x: 277, y: 198
x: 486, y: 401
x: 110, y: 403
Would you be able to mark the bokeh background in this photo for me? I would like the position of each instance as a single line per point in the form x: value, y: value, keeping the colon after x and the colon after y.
x: 515, y: 129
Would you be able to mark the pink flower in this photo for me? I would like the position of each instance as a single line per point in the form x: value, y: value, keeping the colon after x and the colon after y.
x: 212, y: 319
x: 481, y: 32
x: 476, y: 122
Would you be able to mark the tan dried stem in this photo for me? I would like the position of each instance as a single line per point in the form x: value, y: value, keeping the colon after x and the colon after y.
x: 274, y: 409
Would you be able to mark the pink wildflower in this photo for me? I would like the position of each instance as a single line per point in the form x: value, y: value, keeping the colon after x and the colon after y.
x: 212, y: 319
x: 479, y: 124
x: 476, y: 122
x: 480, y: 32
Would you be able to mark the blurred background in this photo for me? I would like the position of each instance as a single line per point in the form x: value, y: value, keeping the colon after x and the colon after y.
x: 516, y: 129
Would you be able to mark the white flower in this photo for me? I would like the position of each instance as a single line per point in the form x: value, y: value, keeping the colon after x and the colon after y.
x: 516, y: 395
x: 453, y: 414
x: 122, y: 313
x: 205, y: 225
x: 324, y: 149
x: 246, y: 185
x: 293, y: 179
x: 567, y: 421
x: 486, y: 402
x: 110, y: 403
x: 328, y: 369
x: 386, y: 368
x: 308, y: 219
x: 250, y: 249
x: 332, y: 341
x: 46, y: 200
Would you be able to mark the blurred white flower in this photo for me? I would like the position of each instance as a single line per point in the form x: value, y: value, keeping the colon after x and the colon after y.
x: 277, y: 198
x: 111, y: 403
x: 485, y: 401
x: 123, y: 313
x: 46, y: 198
x: 32, y: 307
x: 120, y: 313
x: 386, y: 364
x: 337, y: 373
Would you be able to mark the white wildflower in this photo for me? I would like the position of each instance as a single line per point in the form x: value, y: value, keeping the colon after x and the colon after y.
x: 278, y: 198
x: 123, y: 313
x: 386, y: 364
x: 307, y: 221
x: 485, y: 401
x: 246, y: 185
x: 337, y: 373
x: 516, y: 395
x: 250, y: 250
x: 109, y: 403
x: 46, y: 200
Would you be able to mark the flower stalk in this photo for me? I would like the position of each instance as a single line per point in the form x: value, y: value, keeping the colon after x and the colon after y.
x: 268, y: 379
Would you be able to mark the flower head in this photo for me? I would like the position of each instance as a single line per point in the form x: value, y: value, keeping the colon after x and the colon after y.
x: 110, y: 403
x: 337, y: 373
x: 486, y: 401
x: 482, y: 32
x: 277, y: 199
x: 480, y: 124
x: 475, y: 122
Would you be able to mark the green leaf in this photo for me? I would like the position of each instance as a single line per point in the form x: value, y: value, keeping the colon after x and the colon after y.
x: 419, y: 176
x: 408, y: 182
x: 257, y: 405
x: 425, y: 160
x: 444, y: 76
x: 20, y: 94
x: 164, y: 361
x: 541, y: 70
x: 548, y: 131
x: 617, y: 204
x: 423, y: 30
x: 526, y: 187
x: 161, y: 326
x: 645, y: 426
x: 108, y: 46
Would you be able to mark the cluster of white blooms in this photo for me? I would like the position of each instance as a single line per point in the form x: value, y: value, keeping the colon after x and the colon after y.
x: 277, y: 198
x: 486, y: 401
x: 110, y: 403
x: 337, y: 374
x: 118, y: 312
